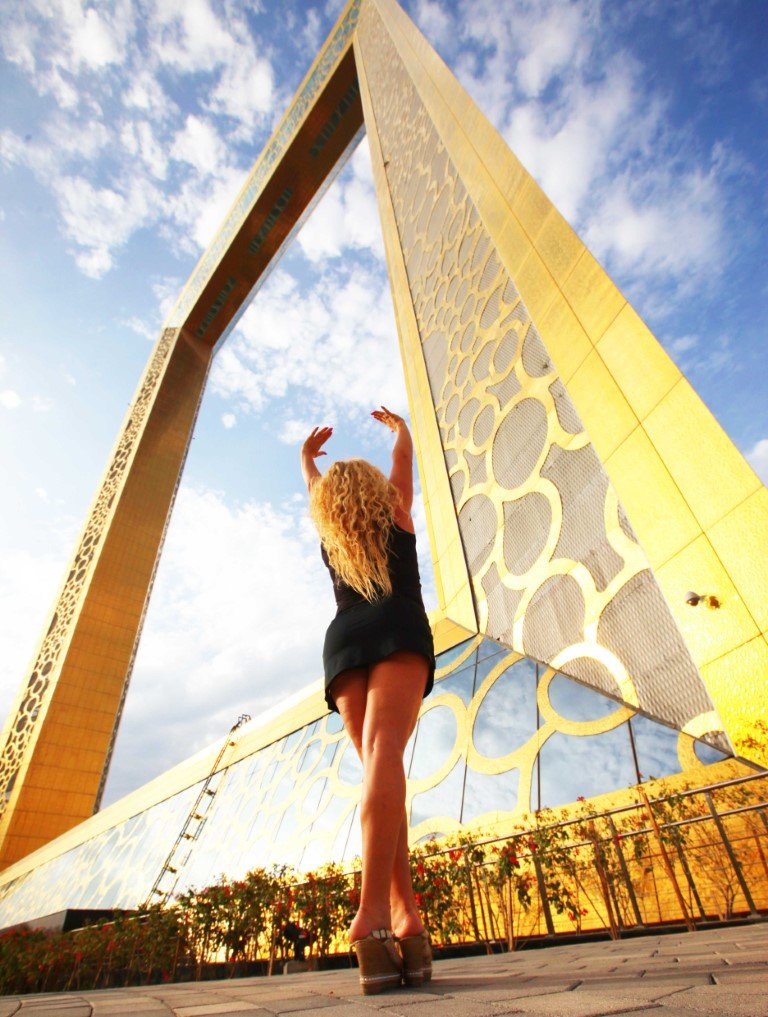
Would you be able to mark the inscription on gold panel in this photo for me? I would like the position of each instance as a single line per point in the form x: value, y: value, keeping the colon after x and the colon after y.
x: 556, y: 570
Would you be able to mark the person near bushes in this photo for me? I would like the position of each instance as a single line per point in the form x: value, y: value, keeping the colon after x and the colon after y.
x: 379, y: 663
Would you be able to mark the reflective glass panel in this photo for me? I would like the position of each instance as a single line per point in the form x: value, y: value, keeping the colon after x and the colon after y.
x: 507, y: 716
x: 309, y: 756
x: 354, y: 846
x: 488, y: 664
x: 489, y: 792
x: 328, y: 756
x: 443, y: 800
x: 656, y: 748
x: 311, y: 802
x: 333, y: 723
x: 350, y: 768
x: 435, y: 738
x: 708, y: 753
x: 577, y: 702
x: 444, y: 659
x: 587, y: 765
x: 460, y: 684
x: 283, y: 789
x: 490, y: 648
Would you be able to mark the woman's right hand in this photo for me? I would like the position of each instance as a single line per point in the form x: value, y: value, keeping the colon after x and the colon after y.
x: 313, y: 444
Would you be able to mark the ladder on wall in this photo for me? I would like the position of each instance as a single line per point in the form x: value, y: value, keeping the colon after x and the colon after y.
x: 178, y: 856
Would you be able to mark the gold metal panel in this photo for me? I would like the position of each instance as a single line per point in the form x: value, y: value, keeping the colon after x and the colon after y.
x: 452, y: 579
x: 709, y: 632
x: 711, y: 473
x: 736, y: 682
x: 556, y: 569
x: 564, y: 337
x: 558, y: 245
x: 607, y: 415
x: 639, y: 365
x: 651, y: 498
x: 592, y: 295
x: 740, y: 540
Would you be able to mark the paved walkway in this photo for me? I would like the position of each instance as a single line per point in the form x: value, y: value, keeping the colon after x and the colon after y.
x: 722, y: 971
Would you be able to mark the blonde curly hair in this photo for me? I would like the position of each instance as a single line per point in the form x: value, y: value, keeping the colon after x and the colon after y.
x: 353, y: 507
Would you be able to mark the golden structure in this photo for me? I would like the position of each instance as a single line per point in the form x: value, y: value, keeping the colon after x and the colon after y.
x: 576, y: 487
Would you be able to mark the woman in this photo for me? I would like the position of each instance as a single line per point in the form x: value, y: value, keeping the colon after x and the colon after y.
x: 379, y: 663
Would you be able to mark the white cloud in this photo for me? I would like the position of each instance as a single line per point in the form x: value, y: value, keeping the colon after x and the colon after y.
x: 294, y: 431
x: 141, y: 327
x: 556, y: 41
x: 347, y: 216
x: 228, y: 420
x: 254, y: 573
x: 245, y: 90
x: 100, y: 219
x: 332, y: 344
x: 10, y: 399
x: 758, y: 459
x: 187, y: 35
x: 199, y: 144
x: 662, y: 224
x: 434, y: 21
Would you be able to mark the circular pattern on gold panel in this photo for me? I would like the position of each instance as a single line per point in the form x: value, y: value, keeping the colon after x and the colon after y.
x: 547, y: 545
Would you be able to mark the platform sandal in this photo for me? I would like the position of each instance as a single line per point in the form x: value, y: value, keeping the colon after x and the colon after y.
x: 379, y: 962
x: 417, y: 959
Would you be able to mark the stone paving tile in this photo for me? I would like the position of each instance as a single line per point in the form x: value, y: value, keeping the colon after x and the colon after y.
x: 202, y: 1010
x: 133, y: 1010
x: 715, y: 999
x: 300, y: 1004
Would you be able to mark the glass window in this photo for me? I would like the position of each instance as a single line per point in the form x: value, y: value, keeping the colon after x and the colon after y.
x: 577, y: 702
x: 340, y: 841
x: 309, y: 756
x: 708, y: 753
x: 507, y: 717
x: 311, y: 802
x: 490, y: 648
x: 488, y: 664
x: 435, y: 738
x: 328, y: 756
x: 573, y: 765
x: 461, y: 684
x: 350, y: 768
x: 443, y: 800
x: 283, y: 789
x: 333, y: 723
x: 489, y: 792
x: 656, y: 748
x: 354, y: 847
x: 446, y: 658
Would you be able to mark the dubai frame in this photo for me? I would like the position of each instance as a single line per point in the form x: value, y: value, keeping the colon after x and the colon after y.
x: 576, y: 487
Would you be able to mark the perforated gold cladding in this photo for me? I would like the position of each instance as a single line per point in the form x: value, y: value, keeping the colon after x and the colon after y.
x: 570, y: 584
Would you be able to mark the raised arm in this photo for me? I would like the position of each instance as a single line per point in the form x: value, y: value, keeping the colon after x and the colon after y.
x: 310, y: 451
x: 402, y: 456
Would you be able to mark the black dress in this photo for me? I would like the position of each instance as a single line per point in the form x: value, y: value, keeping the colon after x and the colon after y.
x: 363, y: 633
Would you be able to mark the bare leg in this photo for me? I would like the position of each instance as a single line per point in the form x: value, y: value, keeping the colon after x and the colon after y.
x: 379, y: 715
x: 406, y: 920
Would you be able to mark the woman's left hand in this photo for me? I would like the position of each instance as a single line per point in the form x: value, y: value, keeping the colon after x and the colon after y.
x: 388, y: 418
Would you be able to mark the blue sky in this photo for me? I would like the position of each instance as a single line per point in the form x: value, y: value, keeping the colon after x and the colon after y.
x: 126, y: 129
